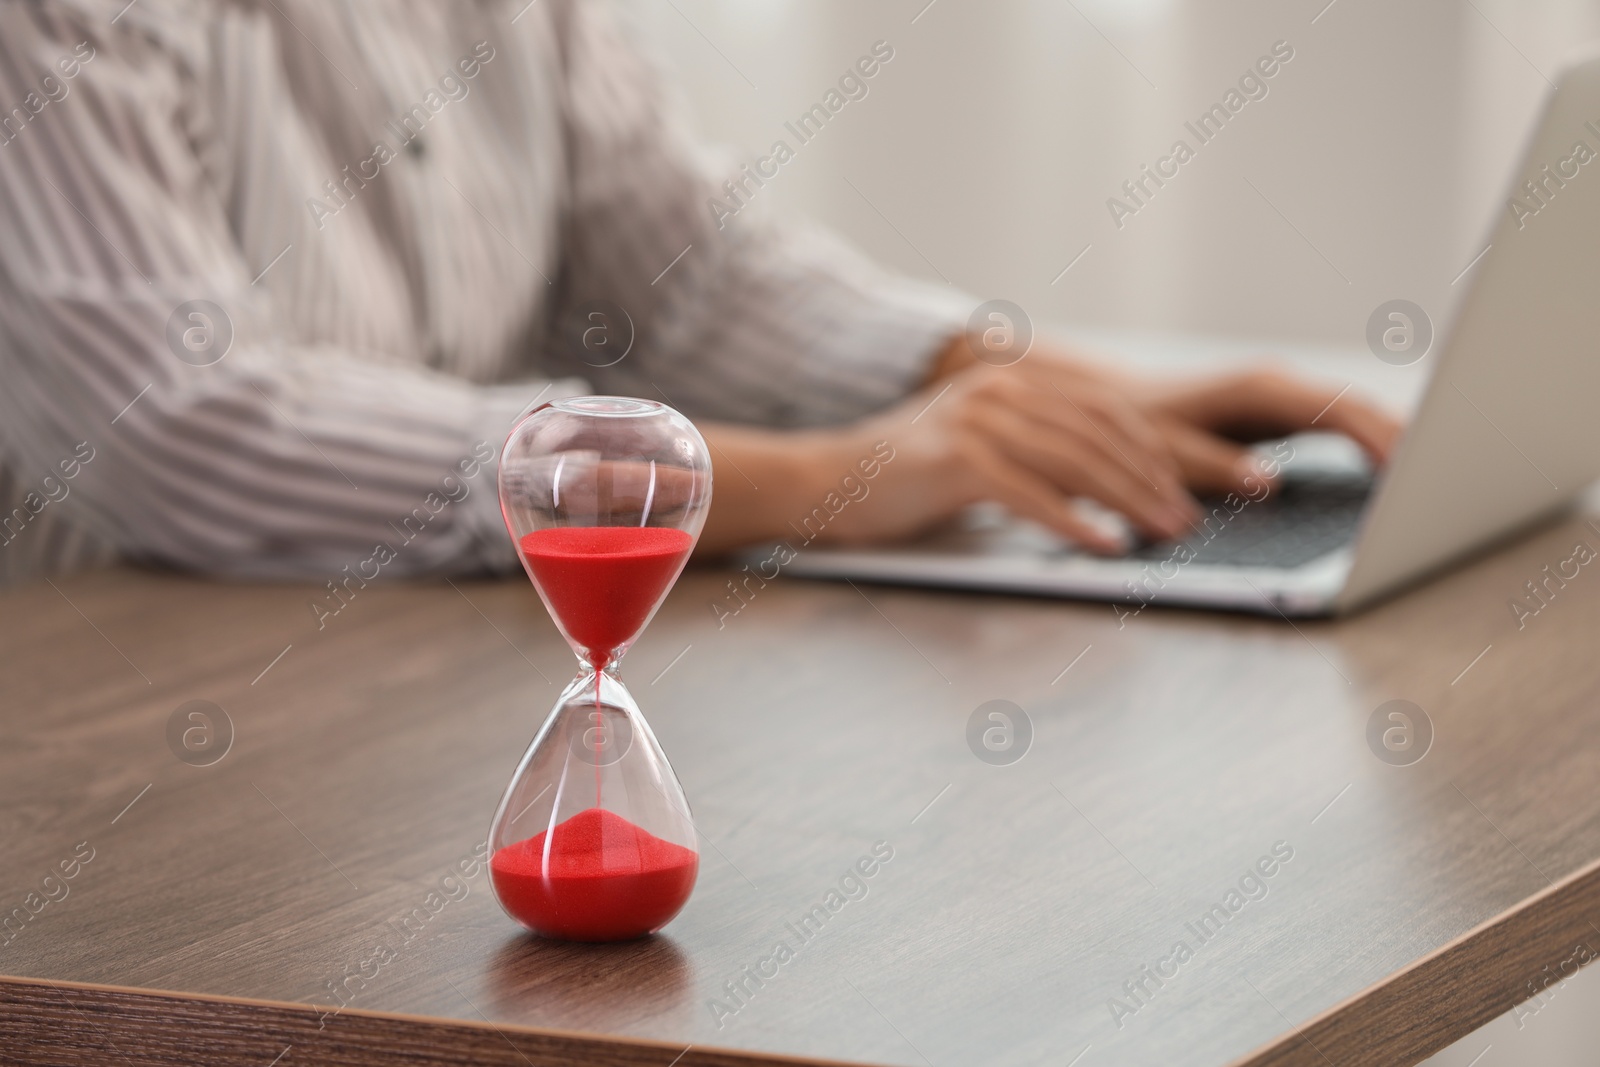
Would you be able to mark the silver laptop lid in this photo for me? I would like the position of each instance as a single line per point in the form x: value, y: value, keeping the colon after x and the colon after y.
x: 1509, y: 428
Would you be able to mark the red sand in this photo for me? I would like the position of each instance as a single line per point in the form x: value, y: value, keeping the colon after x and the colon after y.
x: 608, y: 880
x: 603, y: 581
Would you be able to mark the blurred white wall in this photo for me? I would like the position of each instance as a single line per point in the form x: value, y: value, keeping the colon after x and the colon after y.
x: 985, y: 151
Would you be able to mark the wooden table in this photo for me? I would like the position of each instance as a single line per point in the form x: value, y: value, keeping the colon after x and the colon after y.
x: 222, y: 903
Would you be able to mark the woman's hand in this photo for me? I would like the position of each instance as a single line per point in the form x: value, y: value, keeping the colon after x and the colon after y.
x: 1031, y: 441
x: 1207, y: 421
x: 1031, y: 436
x: 1204, y: 420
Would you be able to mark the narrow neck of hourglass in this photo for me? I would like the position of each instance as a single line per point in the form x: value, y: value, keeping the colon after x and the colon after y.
x: 589, y: 687
x: 599, y: 662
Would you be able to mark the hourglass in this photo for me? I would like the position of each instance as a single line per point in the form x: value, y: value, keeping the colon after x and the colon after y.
x: 604, y: 497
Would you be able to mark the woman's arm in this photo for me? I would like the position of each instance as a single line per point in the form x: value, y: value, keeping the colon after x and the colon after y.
x: 283, y: 458
x: 736, y: 319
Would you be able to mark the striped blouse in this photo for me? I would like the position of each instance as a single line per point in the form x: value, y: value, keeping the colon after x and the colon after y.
x: 276, y: 276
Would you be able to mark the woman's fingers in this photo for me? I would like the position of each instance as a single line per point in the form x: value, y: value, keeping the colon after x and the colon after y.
x: 1085, y: 442
x: 1117, y: 425
x: 1074, y: 464
x: 1031, y: 497
x: 1375, y: 430
x: 1032, y: 442
x: 1061, y: 395
x: 1113, y: 415
x: 1107, y: 424
x: 1212, y: 465
x: 1259, y: 404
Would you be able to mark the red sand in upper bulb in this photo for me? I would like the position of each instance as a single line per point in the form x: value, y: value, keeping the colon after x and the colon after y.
x: 602, y: 582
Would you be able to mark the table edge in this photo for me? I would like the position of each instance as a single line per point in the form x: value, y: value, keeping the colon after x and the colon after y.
x: 1448, y: 993
x: 165, y: 1027
x: 1404, y: 1017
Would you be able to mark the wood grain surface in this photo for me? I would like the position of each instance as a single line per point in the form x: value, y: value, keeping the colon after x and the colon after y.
x: 223, y: 903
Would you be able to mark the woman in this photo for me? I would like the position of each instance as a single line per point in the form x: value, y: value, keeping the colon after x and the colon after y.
x: 289, y: 269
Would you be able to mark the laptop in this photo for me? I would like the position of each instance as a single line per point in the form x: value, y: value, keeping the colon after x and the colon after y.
x: 1507, y: 433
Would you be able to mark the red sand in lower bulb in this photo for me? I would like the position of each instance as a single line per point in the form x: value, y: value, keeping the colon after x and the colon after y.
x: 606, y: 880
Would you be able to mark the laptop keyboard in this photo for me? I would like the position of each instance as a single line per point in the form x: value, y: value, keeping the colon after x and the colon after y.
x: 1309, y: 516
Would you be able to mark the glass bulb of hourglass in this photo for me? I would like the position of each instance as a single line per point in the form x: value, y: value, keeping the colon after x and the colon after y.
x: 604, y: 498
